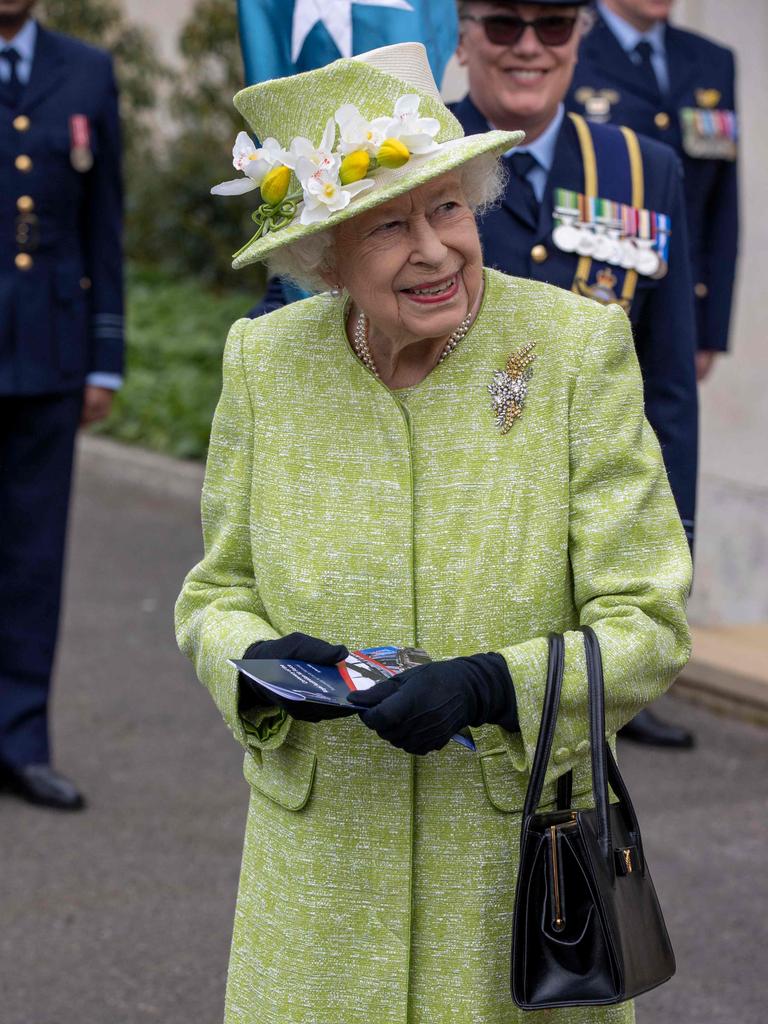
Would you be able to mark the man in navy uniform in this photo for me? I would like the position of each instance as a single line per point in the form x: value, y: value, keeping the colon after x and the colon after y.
x: 678, y: 87
x: 60, y: 350
x: 593, y: 209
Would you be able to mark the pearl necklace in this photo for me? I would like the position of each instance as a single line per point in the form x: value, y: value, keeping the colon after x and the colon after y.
x: 363, y: 351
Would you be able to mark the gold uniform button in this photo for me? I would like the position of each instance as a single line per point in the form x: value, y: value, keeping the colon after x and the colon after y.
x: 21, y: 123
x: 561, y: 754
x: 539, y: 253
x: 23, y: 260
x: 700, y: 290
x: 661, y: 120
x: 85, y: 283
x: 25, y: 204
x: 23, y: 163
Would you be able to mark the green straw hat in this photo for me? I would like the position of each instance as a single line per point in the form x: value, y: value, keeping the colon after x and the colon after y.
x: 343, y: 139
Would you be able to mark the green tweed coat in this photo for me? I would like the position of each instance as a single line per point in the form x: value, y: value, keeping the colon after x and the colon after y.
x: 377, y: 887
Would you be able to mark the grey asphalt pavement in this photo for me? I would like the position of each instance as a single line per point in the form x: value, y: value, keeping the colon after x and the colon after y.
x: 122, y: 915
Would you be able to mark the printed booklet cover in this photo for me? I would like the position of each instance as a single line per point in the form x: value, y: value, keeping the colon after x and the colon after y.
x: 329, y: 684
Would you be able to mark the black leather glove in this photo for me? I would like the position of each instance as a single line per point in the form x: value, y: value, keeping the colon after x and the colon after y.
x: 420, y: 709
x: 300, y: 647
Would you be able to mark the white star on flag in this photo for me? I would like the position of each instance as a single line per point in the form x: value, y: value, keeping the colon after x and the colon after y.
x: 336, y: 15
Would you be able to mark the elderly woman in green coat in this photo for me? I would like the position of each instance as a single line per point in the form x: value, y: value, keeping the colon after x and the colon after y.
x: 428, y: 454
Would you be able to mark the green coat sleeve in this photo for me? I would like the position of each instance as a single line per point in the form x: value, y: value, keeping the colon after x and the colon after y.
x: 219, y: 613
x: 630, y: 563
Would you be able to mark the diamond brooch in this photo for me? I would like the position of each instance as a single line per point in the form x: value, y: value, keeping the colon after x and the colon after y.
x: 509, y: 388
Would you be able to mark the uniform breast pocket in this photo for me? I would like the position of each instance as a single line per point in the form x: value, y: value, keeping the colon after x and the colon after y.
x: 61, y: 139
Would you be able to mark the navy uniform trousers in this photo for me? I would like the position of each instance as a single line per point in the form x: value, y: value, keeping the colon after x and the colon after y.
x: 609, y: 86
x: 60, y: 320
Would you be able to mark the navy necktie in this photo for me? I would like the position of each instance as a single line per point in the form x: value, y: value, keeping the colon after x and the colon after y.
x: 521, y: 164
x: 13, y: 87
x: 644, y: 51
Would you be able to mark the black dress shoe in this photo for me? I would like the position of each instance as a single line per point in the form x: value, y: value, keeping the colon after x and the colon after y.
x: 41, y: 784
x: 646, y: 728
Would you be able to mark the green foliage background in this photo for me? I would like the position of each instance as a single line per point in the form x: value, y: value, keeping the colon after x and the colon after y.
x: 173, y: 372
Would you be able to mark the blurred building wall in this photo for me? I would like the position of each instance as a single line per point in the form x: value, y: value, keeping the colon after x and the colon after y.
x: 732, y: 548
x: 732, y: 557
x: 164, y: 20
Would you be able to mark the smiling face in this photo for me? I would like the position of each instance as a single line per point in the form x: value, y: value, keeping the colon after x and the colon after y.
x: 413, y: 265
x: 517, y: 86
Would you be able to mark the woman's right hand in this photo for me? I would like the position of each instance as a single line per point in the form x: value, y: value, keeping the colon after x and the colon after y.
x: 299, y: 647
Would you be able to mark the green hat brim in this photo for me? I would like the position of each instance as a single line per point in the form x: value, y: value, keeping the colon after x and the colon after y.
x: 388, y: 185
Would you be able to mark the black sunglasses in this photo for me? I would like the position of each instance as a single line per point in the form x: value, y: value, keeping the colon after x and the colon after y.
x: 507, y: 29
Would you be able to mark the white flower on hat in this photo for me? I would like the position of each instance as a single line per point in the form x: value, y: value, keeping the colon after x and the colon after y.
x: 417, y: 133
x: 321, y: 157
x: 357, y: 133
x: 254, y: 163
x: 324, y: 194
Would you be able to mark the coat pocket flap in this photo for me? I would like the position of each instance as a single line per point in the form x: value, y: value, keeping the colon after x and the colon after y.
x: 285, y: 774
x: 506, y: 787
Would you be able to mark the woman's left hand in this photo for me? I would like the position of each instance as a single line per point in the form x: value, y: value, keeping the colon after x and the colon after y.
x: 420, y: 709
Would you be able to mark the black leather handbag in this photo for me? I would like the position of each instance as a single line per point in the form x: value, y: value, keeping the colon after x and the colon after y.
x: 588, y: 929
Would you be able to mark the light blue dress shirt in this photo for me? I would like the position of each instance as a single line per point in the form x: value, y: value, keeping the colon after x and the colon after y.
x: 543, y: 150
x: 24, y: 44
x: 628, y: 37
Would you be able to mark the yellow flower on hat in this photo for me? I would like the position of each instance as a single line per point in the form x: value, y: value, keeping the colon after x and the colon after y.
x: 393, y: 153
x: 274, y: 187
x: 354, y: 166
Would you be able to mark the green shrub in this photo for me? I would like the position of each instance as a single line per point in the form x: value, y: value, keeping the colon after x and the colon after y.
x: 176, y: 334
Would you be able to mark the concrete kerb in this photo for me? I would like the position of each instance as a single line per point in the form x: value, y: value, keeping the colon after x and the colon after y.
x: 111, y: 460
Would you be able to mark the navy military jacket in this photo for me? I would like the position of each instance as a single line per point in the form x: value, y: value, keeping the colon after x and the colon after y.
x: 607, y: 85
x: 661, y: 313
x: 61, y: 302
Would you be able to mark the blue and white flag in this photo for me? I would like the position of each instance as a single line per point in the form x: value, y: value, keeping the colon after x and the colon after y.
x: 283, y: 37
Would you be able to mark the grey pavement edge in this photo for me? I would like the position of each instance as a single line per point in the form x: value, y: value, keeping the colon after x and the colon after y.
x: 122, y: 915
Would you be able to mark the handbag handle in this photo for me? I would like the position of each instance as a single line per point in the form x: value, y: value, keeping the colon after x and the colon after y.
x: 555, y: 666
x: 604, y: 767
x: 597, y: 744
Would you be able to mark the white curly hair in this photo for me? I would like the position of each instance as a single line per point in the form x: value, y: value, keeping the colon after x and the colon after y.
x: 482, y: 181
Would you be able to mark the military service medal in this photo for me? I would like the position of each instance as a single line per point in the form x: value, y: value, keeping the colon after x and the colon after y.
x: 611, y: 232
x: 509, y: 388
x: 80, y: 153
x: 709, y: 134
